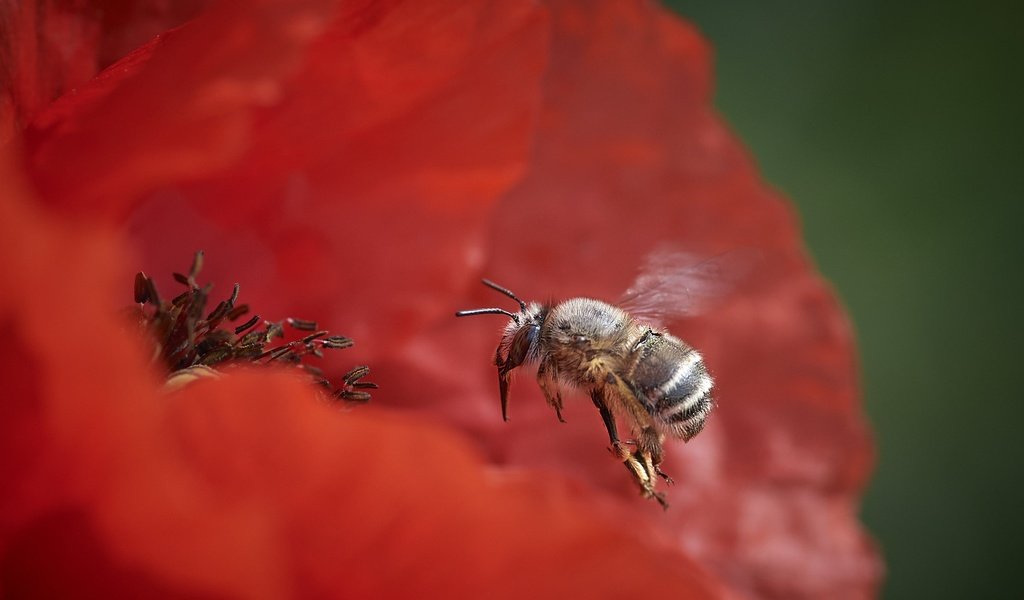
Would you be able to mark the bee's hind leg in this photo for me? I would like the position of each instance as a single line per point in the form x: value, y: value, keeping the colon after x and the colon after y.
x: 649, y: 443
x: 640, y: 464
x: 618, y: 448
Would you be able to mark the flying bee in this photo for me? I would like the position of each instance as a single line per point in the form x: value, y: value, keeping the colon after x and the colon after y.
x: 653, y: 380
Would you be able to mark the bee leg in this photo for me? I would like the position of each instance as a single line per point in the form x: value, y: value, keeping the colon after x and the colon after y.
x: 546, y: 380
x: 639, y: 465
x: 618, y: 448
x: 661, y: 500
x: 650, y: 446
x: 648, y: 443
x: 641, y: 469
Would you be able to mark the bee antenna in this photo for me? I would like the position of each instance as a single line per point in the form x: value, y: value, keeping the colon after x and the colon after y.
x: 487, y: 311
x: 505, y: 291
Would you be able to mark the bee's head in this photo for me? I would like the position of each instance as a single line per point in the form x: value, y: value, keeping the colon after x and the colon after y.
x: 520, y: 340
x: 521, y: 333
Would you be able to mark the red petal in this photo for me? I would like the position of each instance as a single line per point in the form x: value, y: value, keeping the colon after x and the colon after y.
x: 626, y: 159
x: 50, y: 47
x: 176, y: 108
x: 383, y: 154
x: 360, y: 195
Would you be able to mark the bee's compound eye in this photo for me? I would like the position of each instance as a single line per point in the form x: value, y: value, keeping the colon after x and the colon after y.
x: 522, y: 342
x: 580, y: 339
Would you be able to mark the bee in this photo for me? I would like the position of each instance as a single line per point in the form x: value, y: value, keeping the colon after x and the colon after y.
x: 632, y: 369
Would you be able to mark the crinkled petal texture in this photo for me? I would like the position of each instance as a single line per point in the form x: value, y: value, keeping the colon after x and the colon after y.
x: 49, y: 47
x: 363, y: 164
x: 354, y: 152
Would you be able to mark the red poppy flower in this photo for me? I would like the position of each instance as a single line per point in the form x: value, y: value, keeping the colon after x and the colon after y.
x: 363, y: 164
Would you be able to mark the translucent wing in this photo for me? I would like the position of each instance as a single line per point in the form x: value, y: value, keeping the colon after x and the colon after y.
x: 675, y: 283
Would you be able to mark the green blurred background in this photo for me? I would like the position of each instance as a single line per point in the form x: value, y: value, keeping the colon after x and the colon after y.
x: 895, y: 128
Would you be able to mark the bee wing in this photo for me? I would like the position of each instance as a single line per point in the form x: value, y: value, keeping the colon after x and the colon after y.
x: 675, y: 283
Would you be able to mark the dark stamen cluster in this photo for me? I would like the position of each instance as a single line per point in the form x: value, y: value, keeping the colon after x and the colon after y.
x: 185, y: 338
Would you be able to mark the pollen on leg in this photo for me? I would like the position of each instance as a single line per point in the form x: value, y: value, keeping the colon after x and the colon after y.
x: 620, y: 451
x: 649, y: 441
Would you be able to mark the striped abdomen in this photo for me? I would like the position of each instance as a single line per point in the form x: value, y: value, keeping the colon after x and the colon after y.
x: 672, y: 383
